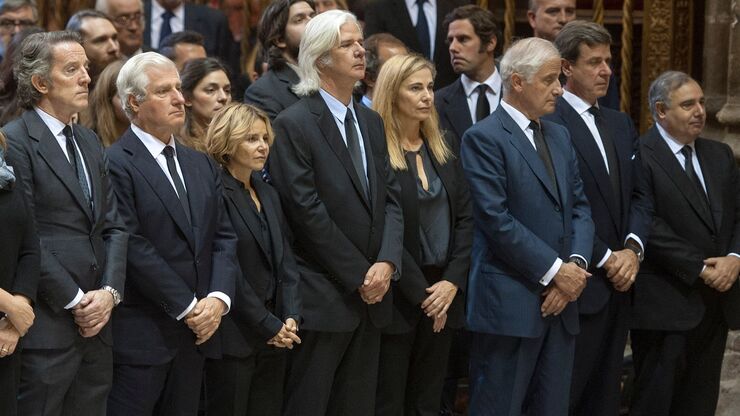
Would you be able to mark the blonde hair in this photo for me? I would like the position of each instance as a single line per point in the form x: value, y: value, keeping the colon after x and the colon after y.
x: 229, y: 127
x: 392, y: 75
x: 100, y: 116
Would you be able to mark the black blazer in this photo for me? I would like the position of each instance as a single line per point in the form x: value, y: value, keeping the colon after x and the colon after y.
x: 667, y: 292
x: 392, y: 16
x: 272, y: 91
x: 339, y: 234
x: 169, y: 260
x: 613, y: 222
x: 256, y: 317
x: 413, y: 283
x: 80, y: 248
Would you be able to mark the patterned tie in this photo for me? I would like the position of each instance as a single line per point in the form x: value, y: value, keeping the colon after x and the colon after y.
x: 482, y: 108
x: 422, y: 30
x: 165, y: 30
x: 76, y: 161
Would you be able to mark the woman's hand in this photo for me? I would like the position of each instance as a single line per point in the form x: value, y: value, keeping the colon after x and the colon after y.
x: 441, y: 295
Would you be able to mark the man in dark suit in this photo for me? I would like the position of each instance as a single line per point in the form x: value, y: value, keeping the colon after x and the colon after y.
x: 686, y: 295
x: 401, y: 18
x: 164, y: 17
x: 128, y: 18
x: 66, y: 364
x: 330, y: 166
x: 472, y: 35
x: 379, y: 48
x: 181, y: 265
x: 533, y: 239
x: 608, y: 157
x: 281, y: 29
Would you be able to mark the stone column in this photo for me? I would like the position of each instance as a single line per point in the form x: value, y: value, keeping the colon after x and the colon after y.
x: 729, y: 115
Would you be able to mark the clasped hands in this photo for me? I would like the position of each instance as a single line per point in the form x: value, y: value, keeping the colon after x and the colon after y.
x: 205, y: 318
x: 565, y: 287
x: 621, y: 269
x: 18, y: 318
x: 720, y: 273
x: 376, y: 283
x: 93, y: 312
x: 287, y: 336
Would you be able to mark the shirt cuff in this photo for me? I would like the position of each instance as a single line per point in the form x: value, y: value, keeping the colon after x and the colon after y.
x: 582, y: 258
x: 636, y: 238
x: 604, y: 259
x: 224, y: 297
x: 734, y: 254
x: 545, y: 280
x: 187, y: 310
x: 76, y: 300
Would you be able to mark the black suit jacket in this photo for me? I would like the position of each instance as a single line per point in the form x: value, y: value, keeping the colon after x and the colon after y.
x: 413, y: 283
x: 81, y: 248
x: 339, y: 233
x: 392, y: 16
x: 169, y: 260
x: 257, y: 314
x: 452, y: 106
x: 668, y: 289
x: 613, y: 221
x: 272, y: 91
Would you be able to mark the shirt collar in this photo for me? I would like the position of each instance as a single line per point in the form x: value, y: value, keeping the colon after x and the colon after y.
x: 366, y: 101
x: 519, y: 118
x: 153, y: 145
x: 577, y: 102
x: 412, y: 3
x: 51, y: 122
x: 494, y: 82
x: 671, y: 141
x: 336, y: 107
x: 179, y: 11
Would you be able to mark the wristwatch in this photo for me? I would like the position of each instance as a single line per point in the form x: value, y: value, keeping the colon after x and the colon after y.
x: 579, y: 262
x: 634, y: 246
x: 114, y: 292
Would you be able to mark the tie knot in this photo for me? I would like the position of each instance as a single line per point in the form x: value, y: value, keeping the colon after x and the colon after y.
x: 348, y: 117
x: 67, y: 131
x: 535, y: 126
x: 687, y: 151
x: 482, y: 88
x: 167, y: 15
x: 169, y: 152
x: 596, y: 111
x: 421, y: 2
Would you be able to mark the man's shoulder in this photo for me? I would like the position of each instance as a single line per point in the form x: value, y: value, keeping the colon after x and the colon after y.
x: 448, y: 91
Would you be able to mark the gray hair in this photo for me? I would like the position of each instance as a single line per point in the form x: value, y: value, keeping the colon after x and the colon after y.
x: 75, y: 22
x: 575, y: 33
x: 321, y: 36
x: 133, y: 78
x: 36, y: 59
x: 525, y: 57
x: 661, y: 89
x: 13, y: 5
x: 102, y: 6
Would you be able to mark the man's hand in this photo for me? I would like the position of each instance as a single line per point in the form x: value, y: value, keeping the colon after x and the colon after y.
x: 9, y: 337
x: 554, y: 303
x: 286, y: 337
x: 621, y: 269
x: 722, y: 272
x: 205, y: 318
x: 93, y: 312
x: 441, y: 295
x: 377, y: 281
x: 21, y: 314
x: 439, y: 322
x: 571, y: 280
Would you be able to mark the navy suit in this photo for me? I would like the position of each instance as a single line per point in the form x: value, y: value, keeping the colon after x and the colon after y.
x: 523, y: 223
x: 169, y: 262
x: 603, y: 310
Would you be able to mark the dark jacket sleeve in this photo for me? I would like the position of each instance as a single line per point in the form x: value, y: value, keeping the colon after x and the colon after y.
x: 27, y: 271
x: 459, y: 262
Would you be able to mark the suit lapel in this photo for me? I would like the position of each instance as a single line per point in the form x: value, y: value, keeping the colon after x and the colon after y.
x: 50, y: 150
x: 457, y: 110
x: 372, y: 178
x: 710, y: 172
x: 195, y: 187
x: 403, y: 22
x: 237, y: 195
x: 89, y: 154
x: 273, y: 220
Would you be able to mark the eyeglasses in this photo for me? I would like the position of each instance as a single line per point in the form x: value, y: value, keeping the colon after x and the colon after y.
x: 11, y: 24
x: 126, y: 19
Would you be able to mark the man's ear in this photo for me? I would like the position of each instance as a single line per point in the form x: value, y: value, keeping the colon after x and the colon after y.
x: 280, y: 43
x: 491, y: 46
x: 133, y: 104
x: 660, y: 109
x: 517, y: 82
x: 566, y: 66
x: 42, y: 85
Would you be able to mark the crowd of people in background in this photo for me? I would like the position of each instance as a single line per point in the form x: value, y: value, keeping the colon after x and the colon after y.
x: 366, y: 204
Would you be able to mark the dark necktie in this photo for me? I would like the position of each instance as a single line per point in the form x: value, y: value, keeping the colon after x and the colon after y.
x: 542, y: 150
x: 687, y: 152
x: 353, y: 145
x: 611, y: 153
x: 169, y: 154
x: 483, y: 108
x: 165, y: 29
x: 76, y: 161
x: 422, y: 30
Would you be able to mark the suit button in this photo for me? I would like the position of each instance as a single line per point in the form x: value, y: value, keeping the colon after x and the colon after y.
x: 93, y: 267
x: 557, y: 208
x: 197, y: 260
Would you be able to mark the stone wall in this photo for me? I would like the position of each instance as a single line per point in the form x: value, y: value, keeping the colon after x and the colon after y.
x: 729, y: 397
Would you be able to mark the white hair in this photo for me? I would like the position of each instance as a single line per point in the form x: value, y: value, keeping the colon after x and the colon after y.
x: 525, y: 57
x: 133, y: 78
x: 103, y: 6
x: 321, y: 36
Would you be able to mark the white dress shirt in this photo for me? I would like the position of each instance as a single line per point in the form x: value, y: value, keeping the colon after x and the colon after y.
x: 177, y: 23
x: 156, y: 149
x: 430, y: 11
x: 339, y: 111
x: 523, y: 122
x: 493, y: 92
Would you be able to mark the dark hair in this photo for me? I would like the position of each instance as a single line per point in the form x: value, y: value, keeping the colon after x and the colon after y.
x: 197, y: 69
x: 372, y: 60
x: 13, y: 5
x: 35, y: 59
x: 272, y: 29
x: 8, y: 85
x: 575, y: 33
x: 167, y: 46
x: 74, y: 23
x: 483, y: 21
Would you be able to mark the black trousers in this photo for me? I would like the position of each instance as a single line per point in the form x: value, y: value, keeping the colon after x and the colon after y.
x: 678, y: 372
x: 68, y: 381
x: 334, y: 373
x: 597, y: 370
x: 10, y: 377
x: 412, y: 371
x: 251, y: 385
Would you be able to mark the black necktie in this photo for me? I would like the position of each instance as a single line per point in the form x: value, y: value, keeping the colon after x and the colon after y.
x: 76, y: 161
x: 165, y: 29
x: 542, y: 150
x: 422, y: 30
x: 611, y: 153
x: 483, y: 108
x: 687, y: 152
x: 169, y: 154
x: 353, y: 145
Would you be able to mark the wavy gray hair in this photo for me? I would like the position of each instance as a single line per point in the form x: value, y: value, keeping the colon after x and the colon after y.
x: 662, y: 88
x: 133, y: 78
x: 525, y: 57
